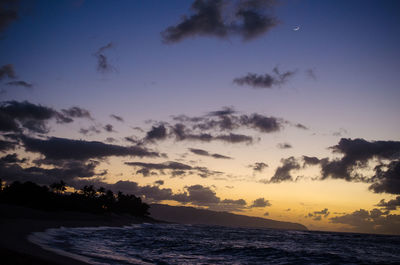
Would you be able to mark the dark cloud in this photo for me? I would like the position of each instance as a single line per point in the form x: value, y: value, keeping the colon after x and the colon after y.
x: 202, y: 128
x: 225, y: 111
x: 284, y: 146
x: 111, y: 140
x: 175, y: 168
x: 62, y: 148
x: 261, y: 123
x: 311, y: 160
x: 301, y: 126
x: 218, y: 156
x: 182, y: 133
x: 260, y: 202
x: 374, y: 221
x: 157, y: 133
x: 65, y: 170
x: 259, y: 166
x: 20, y: 83
x: 356, y: 153
x: 206, y: 153
x: 144, y: 171
x: 257, y: 81
x: 266, y: 214
x: 6, y: 145
x: 91, y: 130
x: 159, y: 182
x: 16, y: 116
x: 161, y: 166
x: 354, y: 164
x: 234, y: 138
x: 247, y: 18
x: 390, y: 205
x: 103, y: 66
x: 117, y: 118
x: 131, y: 139
x: 317, y: 215
x: 108, y: 128
x: 387, y: 180
x: 283, y: 173
x: 8, y: 13
x: 12, y: 158
x: 7, y: 71
x: 198, y: 194
x: 77, y: 112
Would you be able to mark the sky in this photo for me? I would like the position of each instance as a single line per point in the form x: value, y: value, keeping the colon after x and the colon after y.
x: 278, y: 109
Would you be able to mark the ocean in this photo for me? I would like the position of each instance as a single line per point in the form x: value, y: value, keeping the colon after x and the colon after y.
x: 198, y: 244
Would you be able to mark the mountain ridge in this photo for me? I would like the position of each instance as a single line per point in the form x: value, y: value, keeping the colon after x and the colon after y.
x: 191, y: 215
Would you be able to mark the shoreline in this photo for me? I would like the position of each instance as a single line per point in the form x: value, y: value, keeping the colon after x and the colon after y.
x: 18, y: 223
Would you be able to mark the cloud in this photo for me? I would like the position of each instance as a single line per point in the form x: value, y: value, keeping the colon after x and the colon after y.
x: 261, y: 123
x: 284, y: 146
x: 317, y: 215
x: 64, y: 170
x: 205, y: 128
x: 387, y: 180
x: 204, y: 196
x: 264, y: 81
x: 12, y: 158
x: 16, y: 116
x: 103, y: 66
x: 311, y: 160
x: 117, y: 118
x: 266, y: 214
x: 7, y: 71
x: 111, y: 140
x: 8, y: 13
x: 63, y: 148
x: 182, y: 133
x: 354, y: 164
x: 108, y: 128
x: 6, y: 145
x: 248, y: 19
x: 175, y: 169
x: 374, y: 221
x: 301, y: 126
x: 390, y: 205
x: 77, y: 112
x: 259, y: 166
x: 20, y: 83
x: 206, y: 153
x: 92, y: 129
x: 157, y: 133
x: 283, y: 173
x: 356, y: 153
x: 260, y: 202
x: 159, y: 182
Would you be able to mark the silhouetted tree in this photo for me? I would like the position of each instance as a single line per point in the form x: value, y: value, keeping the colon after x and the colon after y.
x: 59, y: 187
x: 89, y: 200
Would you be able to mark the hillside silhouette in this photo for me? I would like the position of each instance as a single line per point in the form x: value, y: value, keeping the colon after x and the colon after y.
x: 190, y: 215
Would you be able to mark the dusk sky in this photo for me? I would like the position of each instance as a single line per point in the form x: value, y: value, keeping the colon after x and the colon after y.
x: 287, y: 110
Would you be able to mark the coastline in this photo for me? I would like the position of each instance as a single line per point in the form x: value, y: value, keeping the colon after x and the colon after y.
x: 17, y: 223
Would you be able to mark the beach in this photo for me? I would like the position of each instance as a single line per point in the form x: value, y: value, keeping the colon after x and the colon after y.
x: 17, y: 223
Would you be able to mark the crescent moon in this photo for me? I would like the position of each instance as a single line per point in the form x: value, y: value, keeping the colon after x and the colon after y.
x: 296, y: 28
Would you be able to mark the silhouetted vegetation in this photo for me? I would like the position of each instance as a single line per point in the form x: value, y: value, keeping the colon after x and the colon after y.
x: 54, y: 198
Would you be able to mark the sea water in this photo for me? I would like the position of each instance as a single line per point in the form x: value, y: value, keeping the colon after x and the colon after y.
x: 199, y: 244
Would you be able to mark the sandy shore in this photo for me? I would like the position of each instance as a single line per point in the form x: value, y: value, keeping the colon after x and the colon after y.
x: 17, y: 223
